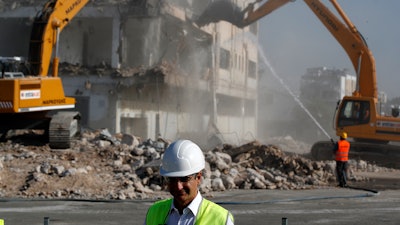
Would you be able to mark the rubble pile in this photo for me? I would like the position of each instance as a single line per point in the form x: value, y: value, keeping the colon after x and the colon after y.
x: 267, y: 167
x: 105, y: 166
x: 103, y: 69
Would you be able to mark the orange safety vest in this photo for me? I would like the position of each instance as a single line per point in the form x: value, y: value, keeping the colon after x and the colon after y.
x: 342, y: 153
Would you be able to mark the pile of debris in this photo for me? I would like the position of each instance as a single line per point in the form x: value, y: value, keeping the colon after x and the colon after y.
x: 105, y: 166
x: 266, y: 167
x: 164, y: 67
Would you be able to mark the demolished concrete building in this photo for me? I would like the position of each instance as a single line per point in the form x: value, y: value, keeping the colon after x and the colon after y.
x: 142, y: 67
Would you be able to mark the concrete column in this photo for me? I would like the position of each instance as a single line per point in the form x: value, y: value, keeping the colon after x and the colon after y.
x: 215, y: 69
x: 116, y: 35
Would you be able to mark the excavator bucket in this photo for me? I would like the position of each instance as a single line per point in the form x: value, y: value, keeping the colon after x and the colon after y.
x: 219, y: 10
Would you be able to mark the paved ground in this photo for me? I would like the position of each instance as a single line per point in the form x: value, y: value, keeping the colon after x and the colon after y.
x: 323, y: 206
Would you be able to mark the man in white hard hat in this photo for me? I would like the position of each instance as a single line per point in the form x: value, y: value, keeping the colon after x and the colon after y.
x: 182, y: 166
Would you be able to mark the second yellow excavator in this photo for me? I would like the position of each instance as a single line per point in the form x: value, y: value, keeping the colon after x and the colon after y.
x: 358, y: 114
x: 29, y: 97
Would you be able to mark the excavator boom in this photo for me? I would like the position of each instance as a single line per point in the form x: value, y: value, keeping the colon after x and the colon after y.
x: 353, y: 43
x: 50, y: 21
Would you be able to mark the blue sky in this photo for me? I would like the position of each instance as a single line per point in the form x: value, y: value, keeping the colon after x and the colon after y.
x: 294, y: 39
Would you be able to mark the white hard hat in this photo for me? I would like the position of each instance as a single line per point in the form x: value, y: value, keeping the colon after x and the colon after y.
x: 182, y: 158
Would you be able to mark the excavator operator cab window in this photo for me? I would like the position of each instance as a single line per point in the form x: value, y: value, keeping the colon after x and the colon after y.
x: 354, y: 113
x: 12, y: 67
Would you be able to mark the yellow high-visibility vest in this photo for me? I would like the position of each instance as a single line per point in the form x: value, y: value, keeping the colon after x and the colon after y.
x: 209, y: 213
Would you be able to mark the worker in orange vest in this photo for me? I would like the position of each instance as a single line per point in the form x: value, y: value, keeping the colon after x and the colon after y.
x: 342, y: 156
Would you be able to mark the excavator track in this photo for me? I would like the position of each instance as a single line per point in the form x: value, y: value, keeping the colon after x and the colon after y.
x: 387, y: 155
x: 64, y: 125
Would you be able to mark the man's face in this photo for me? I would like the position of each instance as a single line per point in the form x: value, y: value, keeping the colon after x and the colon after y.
x: 184, y: 189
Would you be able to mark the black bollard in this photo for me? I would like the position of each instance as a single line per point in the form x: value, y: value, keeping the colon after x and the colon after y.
x: 46, y: 221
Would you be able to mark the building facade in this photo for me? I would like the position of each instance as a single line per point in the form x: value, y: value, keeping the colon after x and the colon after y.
x: 144, y: 68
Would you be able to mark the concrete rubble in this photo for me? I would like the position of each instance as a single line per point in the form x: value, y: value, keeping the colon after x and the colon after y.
x: 163, y: 68
x: 121, y: 166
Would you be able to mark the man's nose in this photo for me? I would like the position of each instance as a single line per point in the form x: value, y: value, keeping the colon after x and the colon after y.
x: 179, y: 184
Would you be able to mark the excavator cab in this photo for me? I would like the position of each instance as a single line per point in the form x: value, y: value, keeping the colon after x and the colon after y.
x: 13, y: 67
x: 353, y: 112
x: 360, y: 118
x: 357, y: 117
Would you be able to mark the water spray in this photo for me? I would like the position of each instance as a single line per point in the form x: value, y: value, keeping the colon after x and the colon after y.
x: 297, y: 100
x: 254, y: 39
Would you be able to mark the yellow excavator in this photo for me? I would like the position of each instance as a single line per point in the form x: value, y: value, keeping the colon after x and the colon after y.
x: 30, y: 98
x: 357, y: 115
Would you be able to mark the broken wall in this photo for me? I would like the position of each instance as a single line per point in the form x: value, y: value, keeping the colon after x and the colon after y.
x: 141, y: 41
x: 15, y: 33
x: 95, y: 99
x: 170, y: 111
x: 87, y: 41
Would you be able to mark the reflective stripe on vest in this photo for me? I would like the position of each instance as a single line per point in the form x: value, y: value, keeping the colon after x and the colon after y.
x: 342, y: 153
x: 209, y: 213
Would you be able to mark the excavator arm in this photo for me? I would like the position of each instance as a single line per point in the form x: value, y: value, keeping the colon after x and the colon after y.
x: 353, y: 43
x: 50, y: 21
x: 250, y: 15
